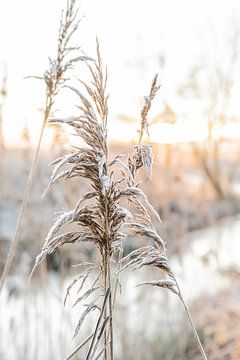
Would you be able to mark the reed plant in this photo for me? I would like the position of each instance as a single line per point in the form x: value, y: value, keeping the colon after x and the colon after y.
x: 115, y: 208
x: 54, y: 78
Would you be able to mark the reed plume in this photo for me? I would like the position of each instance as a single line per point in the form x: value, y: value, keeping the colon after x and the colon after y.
x: 54, y: 79
x: 97, y: 212
x: 114, y: 209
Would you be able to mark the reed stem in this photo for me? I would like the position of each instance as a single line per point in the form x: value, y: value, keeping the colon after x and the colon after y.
x: 27, y: 191
x: 198, y: 341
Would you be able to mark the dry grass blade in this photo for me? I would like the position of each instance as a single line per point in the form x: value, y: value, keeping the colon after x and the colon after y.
x: 76, y: 279
x: 147, y: 256
x: 101, y: 331
x: 133, y: 257
x: 86, y: 294
x: 139, y: 196
x: 82, y: 278
x: 138, y: 229
x: 58, y: 241
x: 101, y: 351
x: 167, y: 284
x: 98, y: 323
x: 195, y: 334
x: 89, y: 308
x: 79, y: 347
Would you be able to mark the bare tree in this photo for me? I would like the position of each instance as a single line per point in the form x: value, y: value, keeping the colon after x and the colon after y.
x: 214, y: 85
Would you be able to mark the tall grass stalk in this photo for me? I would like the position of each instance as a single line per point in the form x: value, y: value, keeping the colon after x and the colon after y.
x: 112, y: 210
x: 54, y: 79
x: 198, y: 341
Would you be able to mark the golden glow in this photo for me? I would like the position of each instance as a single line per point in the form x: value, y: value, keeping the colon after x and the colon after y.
x: 133, y: 44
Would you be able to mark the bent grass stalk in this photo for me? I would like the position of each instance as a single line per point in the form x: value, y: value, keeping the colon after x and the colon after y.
x: 195, y: 334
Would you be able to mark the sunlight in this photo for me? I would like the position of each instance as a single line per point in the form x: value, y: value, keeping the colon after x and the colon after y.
x: 136, y: 57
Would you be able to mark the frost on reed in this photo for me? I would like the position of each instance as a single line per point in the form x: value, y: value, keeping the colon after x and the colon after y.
x: 54, y: 78
x: 114, y: 209
x: 67, y: 55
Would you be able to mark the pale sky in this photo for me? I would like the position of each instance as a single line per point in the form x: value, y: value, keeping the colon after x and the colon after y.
x: 134, y: 35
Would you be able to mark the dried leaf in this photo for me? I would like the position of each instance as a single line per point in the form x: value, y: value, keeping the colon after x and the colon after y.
x: 167, y: 284
x: 86, y: 294
x: 90, y: 307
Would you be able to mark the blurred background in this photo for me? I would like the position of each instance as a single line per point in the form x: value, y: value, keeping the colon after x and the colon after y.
x: 194, y: 46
